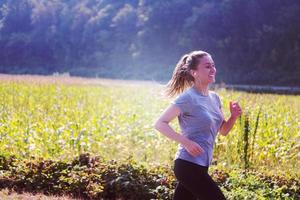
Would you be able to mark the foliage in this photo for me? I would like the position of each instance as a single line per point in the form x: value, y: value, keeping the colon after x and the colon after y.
x: 66, y: 138
x: 58, y: 121
x: 89, y: 177
x: 252, y: 42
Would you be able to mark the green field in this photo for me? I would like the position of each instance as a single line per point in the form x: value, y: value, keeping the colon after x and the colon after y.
x: 115, y: 119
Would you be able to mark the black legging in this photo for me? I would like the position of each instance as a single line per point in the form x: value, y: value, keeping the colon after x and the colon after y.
x: 194, y: 182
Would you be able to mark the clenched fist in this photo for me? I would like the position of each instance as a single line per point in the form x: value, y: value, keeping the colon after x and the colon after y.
x: 193, y: 148
x: 235, y: 109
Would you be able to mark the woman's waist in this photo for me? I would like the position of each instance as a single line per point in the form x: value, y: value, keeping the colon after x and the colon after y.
x: 201, y: 138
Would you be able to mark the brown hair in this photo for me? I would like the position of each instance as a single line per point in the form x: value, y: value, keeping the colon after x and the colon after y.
x: 182, y: 78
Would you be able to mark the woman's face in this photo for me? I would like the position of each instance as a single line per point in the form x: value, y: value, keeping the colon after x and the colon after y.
x: 206, y: 71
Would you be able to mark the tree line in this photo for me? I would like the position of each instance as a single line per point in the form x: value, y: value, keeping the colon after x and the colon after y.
x: 252, y: 42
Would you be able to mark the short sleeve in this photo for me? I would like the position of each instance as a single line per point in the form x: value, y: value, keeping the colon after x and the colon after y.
x: 182, y: 101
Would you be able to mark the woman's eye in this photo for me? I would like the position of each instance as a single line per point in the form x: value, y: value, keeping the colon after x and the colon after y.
x: 208, y: 67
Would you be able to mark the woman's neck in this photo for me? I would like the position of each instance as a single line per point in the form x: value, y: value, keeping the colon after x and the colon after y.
x: 203, y: 89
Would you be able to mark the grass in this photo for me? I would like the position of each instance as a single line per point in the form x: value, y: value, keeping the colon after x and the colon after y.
x: 60, y: 117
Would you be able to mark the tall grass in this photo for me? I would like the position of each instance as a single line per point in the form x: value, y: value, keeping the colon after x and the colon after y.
x: 266, y: 136
x: 60, y: 121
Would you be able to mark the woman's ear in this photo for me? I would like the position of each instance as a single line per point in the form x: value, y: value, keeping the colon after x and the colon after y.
x: 193, y: 73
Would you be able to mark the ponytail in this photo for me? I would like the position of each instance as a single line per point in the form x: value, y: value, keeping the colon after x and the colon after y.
x: 182, y: 78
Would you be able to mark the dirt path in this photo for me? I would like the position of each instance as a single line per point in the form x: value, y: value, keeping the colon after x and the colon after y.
x: 5, y: 194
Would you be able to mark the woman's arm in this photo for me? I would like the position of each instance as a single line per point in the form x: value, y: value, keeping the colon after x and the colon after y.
x: 227, y: 125
x: 162, y: 125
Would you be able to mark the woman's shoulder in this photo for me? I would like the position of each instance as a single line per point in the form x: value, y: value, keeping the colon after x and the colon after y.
x: 216, y: 98
x: 183, y: 101
x: 184, y: 96
x: 214, y: 93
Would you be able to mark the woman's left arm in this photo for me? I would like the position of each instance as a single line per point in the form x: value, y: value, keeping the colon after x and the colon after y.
x: 227, y: 125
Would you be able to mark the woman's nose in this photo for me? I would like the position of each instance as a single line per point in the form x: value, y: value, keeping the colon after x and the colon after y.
x: 213, y: 69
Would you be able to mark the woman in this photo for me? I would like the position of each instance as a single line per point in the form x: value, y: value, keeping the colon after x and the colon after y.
x: 200, y: 118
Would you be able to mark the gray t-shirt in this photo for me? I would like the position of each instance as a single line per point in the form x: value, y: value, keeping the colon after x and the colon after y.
x: 199, y: 120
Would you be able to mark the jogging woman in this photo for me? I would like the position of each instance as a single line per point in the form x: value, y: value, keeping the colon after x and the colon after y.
x: 200, y: 118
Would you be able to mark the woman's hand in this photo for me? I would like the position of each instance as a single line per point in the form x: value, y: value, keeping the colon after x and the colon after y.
x: 193, y: 148
x: 235, y: 110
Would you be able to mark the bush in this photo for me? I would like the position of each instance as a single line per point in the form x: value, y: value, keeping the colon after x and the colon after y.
x: 91, y: 177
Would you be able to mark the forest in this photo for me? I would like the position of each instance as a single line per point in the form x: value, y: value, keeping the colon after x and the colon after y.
x: 252, y: 42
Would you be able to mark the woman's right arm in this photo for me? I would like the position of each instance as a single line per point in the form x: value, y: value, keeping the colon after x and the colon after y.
x: 162, y: 125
